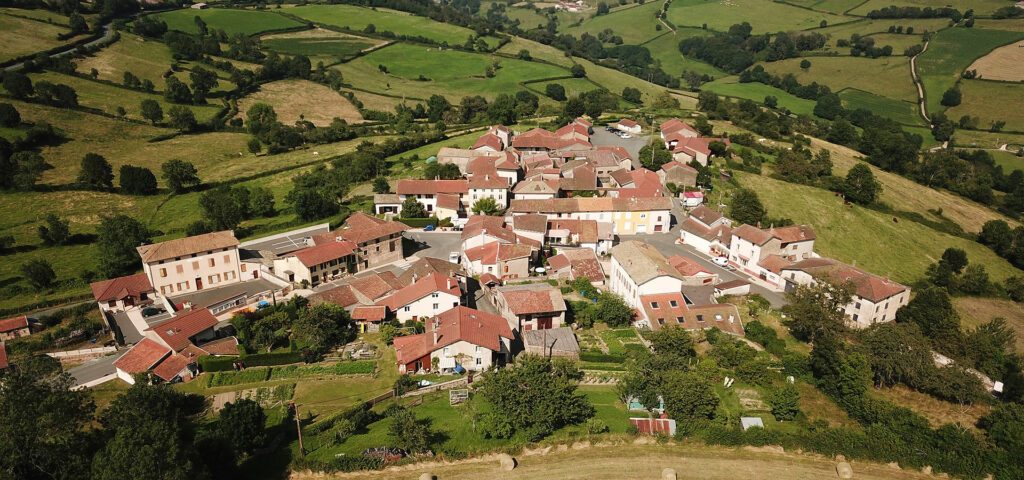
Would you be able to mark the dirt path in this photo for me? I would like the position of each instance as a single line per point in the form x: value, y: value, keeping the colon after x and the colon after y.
x: 920, y: 87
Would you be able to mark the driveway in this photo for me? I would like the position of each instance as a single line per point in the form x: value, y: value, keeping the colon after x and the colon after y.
x: 94, y: 370
x: 433, y: 244
x: 604, y: 138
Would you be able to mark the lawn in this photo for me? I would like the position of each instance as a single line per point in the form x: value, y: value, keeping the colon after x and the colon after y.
x: 764, y: 15
x: 666, y: 50
x: 24, y: 37
x: 635, y: 24
x: 991, y: 101
x: 950, y: 52
x: 981, y: 7
x: 730, y: 87
x: 461, y: 141
x: 232, y: 21
x: 1010, y: 24
x: 903, y: 111
x: 538, y: 51
x: 318, y: 44
x: 901, y: 251
x: 451, y: 73
x: 888, y: 76
x: 528, y: 17
x: 384, y: 20
x: 975, y: 311
x: 293, y: 99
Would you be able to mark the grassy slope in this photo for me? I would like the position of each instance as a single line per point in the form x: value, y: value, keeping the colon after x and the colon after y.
x: 985, y: 139
x: 573, y: 86
x: 291, y: 98
x: 666, y: 50
x: 232, y: 21
x: 991, y: 101
x: 145, y: 58
x: 538, y: 51
x: 730, y: 87
x: 357, y: 18
x: 950, y: 52
x: 871, y: 239
x: 975, y: 311
x: 981, y: 7
x: 888, y: 77
x: 901, y: 111
x: 23, y: 36
x: 635, y: 24
x: 1008, y: 160
x: 764, y: 15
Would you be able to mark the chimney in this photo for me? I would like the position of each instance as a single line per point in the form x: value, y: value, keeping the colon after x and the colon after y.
x: 435, y: 334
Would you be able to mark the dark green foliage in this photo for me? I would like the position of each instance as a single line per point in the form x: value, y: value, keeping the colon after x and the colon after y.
x: 654, y: 155
x: 137, y: 180
x: 9, y: 116
x: 785, y: 402
x: 117, y: 239
x: 951, y: 97
x: 688, y: 397
x: 182, y: 118
x: 555, y: 91
x: 261, y: 202
x: 817, y: 310
x: 39, y: 273
x: 241, y: 423
x: 860, y: 185
x: 446, y: 171
x: 411, y: 208
x: 323, y: 327
x: 578, y: 71
x: 179, y: 175
x: 96, y: 172
x: 747, y: 207
x: 380, y: 185
x: 631, y: 95
x: 152, y: 111
x: 18, y: 85
x: 21, y: 170
x: 408, y: 432
x: 54, y: 231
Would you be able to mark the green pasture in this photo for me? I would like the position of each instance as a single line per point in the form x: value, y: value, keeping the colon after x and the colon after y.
x: 981, y: 7
x: 991, y: 101
x: 357, y: 18
x: 730, y: 87
x: 950, y: 52
x: 665, y: 49
x: 635, y: 24
x: 886, y: 76
x: 232, y: 21
x: 24, y: 37
x: 764, y: 15
x: 901, y: 111
x: 866, y: 26
x: 317, y: 47
x: 538, y: 51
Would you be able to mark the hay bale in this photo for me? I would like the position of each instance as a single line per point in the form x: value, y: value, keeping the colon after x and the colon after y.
x: 668, y: 474
x: 844, y: 470
x: 506, y: 462
x: 426, y: 476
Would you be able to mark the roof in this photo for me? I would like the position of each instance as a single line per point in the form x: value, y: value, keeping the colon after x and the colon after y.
x: 169, y: 368
x: 731, y: 284
x: 532, y: 298
x: 120, y: 287
x: 674, y: 164
x: 457, y: 324
x: 646, y: 184
x: 625, y: 122
x: 585, y: 231
x: 176, y: 332
x: 642, y: 262
x: 536, y: 186
x: 427, y: 265
x: 794, y: 233
x: 489, y: 180
x: 324, y: 252
x: 583, y: 178
x: 687, y: 266
x: 493, y: 252
x: 386, y: 199
x: 3, y: 356
x: 590, y: 204
x: 560, y: 339
x: 661, y: 312
x: 676, y: 125
x: 369, y: 313
x: 706, y: 215
x: 477, y: 225
x: 13, y: 323
x: 431, y: 187
x: 489, y: 279
x: 488, y: 140
x: 343, y: 295
x: 423, y: 287
x: 222, y: 346
x: 582, y: 263
x: 622, y: 177
x: 565, y: 137
x: 867, y: 285
x: 142, y: 357
x: 531, y: 222
x: 361, y: 228
x: 182, y: 247
x: 376, y: 285
x: 583, y: 121
x: 752, y: 234
x: 449, y: 201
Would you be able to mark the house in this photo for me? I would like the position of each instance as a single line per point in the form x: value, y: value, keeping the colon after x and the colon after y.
x: 369, y: 317
x: 603, y: 160
x: 118, y: 294
x: 694, y: 274
x: 692, y: 199
x: 426, y: 297
x: 365, y: 289
x: 533, y: 226
x: 875, y: 299
x: 677, y: 126
x: 643, y: 183
x: 504, y: 164
x: 639, y: 269
x: 428, y: 265
x: 483, y: 229
x: 573, y: 263
x: 14, y: 327
x: 671, y: 310
x: 386, y: 203
x: 688, y: 149
x: 186, y: 328
x: 629, y: 216
x: 732, y: 287
x: 318, y: 264
x: 578, y: 179
x: 551, y: 342
x: 192, y: 263
x: 591, y: 234
x: 199, y: 6
x: 503, y: 260
x: 456, y: 340
x: 462, y: 157
x: 169, y: 351
x: 628, y: 126
x: 536, y: 189
x: 488, y: 185
x: 764, y: 253
x: 679, y: 174
x: 531, y: 306
x: 574, y: 136
x: 141, y: 358
x: 378, y: 242
x: 489, y: 142
x: 707, y: 231
x: 426, y: 191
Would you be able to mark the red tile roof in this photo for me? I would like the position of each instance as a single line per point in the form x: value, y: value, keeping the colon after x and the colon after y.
x: 536, y: 186
x: 676, y: 125
x: 687, y: 266
x: 794, y: 233
x: 121, y: 287
x: 532, y: 298
x: 706, y: 215
x: 176, y: 332
x: 752, y: 234
x: 325, y: 252
x: 449, y: 201
x: 431, y: 187
x: 721, y: 232
x: 361, y: 228
x: 489, y: 279
x: 488, y: 140
x: 774, y: 263
x: 585, y: 231
x: 490, y: 180
x: 582, y: 263
x: 591, y: 204
x: 531, y: 222
x: 369, y: 313
x: 646, y: 184
x: 677, y: 164
x: 376, y: 285
x: 171, y: 367
x: 142, y: 357
x: 182, y: 247
x: 423, y: 287
x: 478, y: 225
x: 456, y: 325
x: 13, y: 323
x: 493, y: 252
x: 343, y: 295
x: 222, y: 346
x: 427, y: 265
x: 661, y: 313
x: 867, y: 285
x: 625, y: 122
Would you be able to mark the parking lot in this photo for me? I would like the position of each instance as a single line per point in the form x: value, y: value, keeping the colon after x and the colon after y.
x: 603, y: 138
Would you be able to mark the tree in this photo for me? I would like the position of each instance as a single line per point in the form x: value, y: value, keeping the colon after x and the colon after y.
x: 1005, y: 427
x: 203, y: 81
x: 613, y: 310
x: 117, y: 238
x: 932, y: 310
x: 486, y: 206
x: 602, y: 8
x: 175, y: 91
x: 323, y: 327
x: 785, y: 402
x: 654, y: 155
x: 555, y: 91
x: 578, y: 71
x: 535, y: 397
x: 151, y: 111
x: 817, y: 309
x: 179, y: 175
x: 956, y: 258
x: 9, y: 116
x: 411, y: 208
x: 137, y: 180
x: 225, y: 207
x: 259, y: 118
x: 311, y: 204
x: 436, y: 171
x: 503, y: 109
x: 254, y: 145
x: 974, y: 280
x: 707, y: 101
x: 54, y: 231
x: 241, y: 423
x: 182, y: 118
x: 96, y: 172
x: 951, y: 97
x: 898, y: 353
x: 261, y: 202
x: 805, y: 64
x: 688, y: 397
x: 437, y: 106
x: 39, y: 274
x: 631, y: 95
x: 23, y: 170
x: 407, y: 432
x: 43, y: 431
x: 380, y: 185
x: 828, y: 106
x: 997, y: 235
x: 747, y: 207
x: 860, y: 185
x: 703, y: 126
x: 771, y: 101
x: 673, y: 346
x: 18, y: 85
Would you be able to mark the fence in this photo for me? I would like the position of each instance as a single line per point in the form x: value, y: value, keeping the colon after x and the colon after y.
x: 458, y: 382
x: 83, y: 352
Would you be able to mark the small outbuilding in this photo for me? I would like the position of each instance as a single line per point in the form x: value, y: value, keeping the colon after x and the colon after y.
x: 554, y: 342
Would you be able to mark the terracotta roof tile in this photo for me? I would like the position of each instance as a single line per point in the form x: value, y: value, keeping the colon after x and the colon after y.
x: 452, y: 326
x: 177, y: 331
x: 222, y: 346
x: 324, y: 252
x: 584, y: 231
x: 369, y: 313
x: 376, y: 285
x: 121, y: 287
x: 532, y: 298
x: 582, y: 263
x: 142, y: 357
x: 431, y: 187
x: 343, y: 295
x: 13, y: 323
x: 868, y: 286
x: 427, y: 265
x: 423, y: 287
x: 642, y: 262
x: 4, y: 363
x: 531, y: 222
x: 591, y: 204
x: 489, y: 140
x: 170, y: 367
x: 687, y: 266
x: 670, y: 310
x: 183, y: 247
x: 361, y: 228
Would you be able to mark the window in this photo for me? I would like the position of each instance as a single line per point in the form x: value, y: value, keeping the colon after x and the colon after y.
x: 661, y: 321
x: 213, y: 263
x: 112, y: 303
x: 163, y: 272
x: 680, y: 320
x: 673, y: 303
x: 434, y: 295
x: 700, y: 318
x: 227, y: 258
x: 435, y: 306
x: 180, y: 268
x: 195, y: 265
x: 407, y: 308
x: 654, y: 304
x: 243, y: 267
x: 479, y: 361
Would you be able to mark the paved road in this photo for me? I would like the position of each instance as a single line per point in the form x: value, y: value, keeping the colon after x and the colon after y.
x: 70, y: 50
x: 95, y: 369
x: 434, y: 244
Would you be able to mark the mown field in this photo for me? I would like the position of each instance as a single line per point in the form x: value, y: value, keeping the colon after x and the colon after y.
x: 318, y: 44
x: 950, y: 52
x: 232, y: 21
x: 991, y: 101
x: 384, y: 20
x: 666, y: 50
x: 1003, y: 63
x: 901, y: 111
x: 635, y: 24
x: 975, y: 311
x: 764, y: 15
x: 23, y: 36
x: 730, y: 87
x: 295, y: 99
x: 888, y: 76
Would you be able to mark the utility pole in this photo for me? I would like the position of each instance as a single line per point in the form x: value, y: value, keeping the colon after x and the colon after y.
x: 298, y: 427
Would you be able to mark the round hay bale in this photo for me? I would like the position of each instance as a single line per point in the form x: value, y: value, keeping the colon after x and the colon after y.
x: 668, y: 474
x: 844, y: 470
x: 426, y: 476
x: 840, y: 458
x: 506, y: 462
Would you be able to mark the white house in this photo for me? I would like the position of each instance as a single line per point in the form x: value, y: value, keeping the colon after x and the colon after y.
x: 460, y: 337
x: 192, y: 263
x: 426, y: 297
x: 488, y: 185
x: 707, y: 231
x: 629, y: 216
x: 427, y: 191
x: 639, y: 269
x: 628, y: 126
x: 121, y: 293
x: 875, y: 299
x: 764, y: 253
x: 318, y: 264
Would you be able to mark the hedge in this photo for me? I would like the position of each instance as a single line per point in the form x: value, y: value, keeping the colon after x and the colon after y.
x: 223, y: 364
x: 344, y: 368
x: 600, y: 357
x: 418, y: 222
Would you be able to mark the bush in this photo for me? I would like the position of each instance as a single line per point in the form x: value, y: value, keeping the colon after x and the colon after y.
x: 418, y: 222
x: 598, y: 357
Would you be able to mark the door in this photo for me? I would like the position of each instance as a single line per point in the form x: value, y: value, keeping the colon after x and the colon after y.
x: 199, y: 283
x: 544, y: 323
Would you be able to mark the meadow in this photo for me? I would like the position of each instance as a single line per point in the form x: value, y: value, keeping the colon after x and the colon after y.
x: 764, y: 15
x: 318, y: 44
x: 528, y: 17
x: 146, y: 58
x: 295, y: 99
x: 538, y: 51
x: 232, y: 21
x: 615, y: 80
x: 902, y: 111
x: 38, y: 14
x: 981, y: 7
x: 635, y: 24
x: 986, y: 139
x: 666, y: 50
x: 24, y: 37
x: 1008, y: 160
x: 1003, y: 63
x: 730, y: 87
x: 866, y: 26
x: 573, y: 86
x: 991, y: 101
x: 384, y: 20
x: 831, y: 6
x: 887, y: 76
x: 950, y: 52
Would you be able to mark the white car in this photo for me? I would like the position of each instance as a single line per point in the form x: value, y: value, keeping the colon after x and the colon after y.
x: 454, y: 257
x: 721, y: 261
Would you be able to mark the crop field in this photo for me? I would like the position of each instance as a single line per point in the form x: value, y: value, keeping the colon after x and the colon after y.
x: 232, y: 21
x: 730, y: 87
x: 451, y: 73
x: 764, y: 15
x: 950, y: 52
x: 384, y: 20
x: 1003, y: 63
x: 318, y: 44
x: 666, y: 50
x: 899, y: 250
x: 23, y: 36
x: 635, y: 24
x: 981, y: 7
x: 901, y: 111
x: 293, y: 99
x: 991, y: 101
x: 887, y: 76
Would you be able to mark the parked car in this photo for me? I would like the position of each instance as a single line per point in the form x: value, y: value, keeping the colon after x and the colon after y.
x: 721, y: 261
x: 453, y: 257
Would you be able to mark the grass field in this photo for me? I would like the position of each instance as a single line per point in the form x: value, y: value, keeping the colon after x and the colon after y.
x: 635, y: 25
x: 666, y: 50
x: 528, y: 17
x: 573, y: 86
x: 319, y: 44
x: 1002, y: 63
x: 232, y: 21
x: 975, y: 311
x: 538, y: 51
x: 146, y: 59
x: 730, y: 87
x: 615, y: 80
x: 898, y: 42
x: 888, y: 77
x: 950, y: 52
x: 40, y: 14
x: 1008, y: 160
x: 981, y: 7
x: 293, y: 99
x: 901, y: 111
x: 831, y: 6
x: 23, y: 36
x: 1009, y: 24
x: 865, y: 27
x: 376, y: 102
x: 985, y: 139
x: 991, y: 101
x: 764, y: 15
x: 901, y: 251
x: 451, y: 73
x: 357, y: 18
x: 938, y: 412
